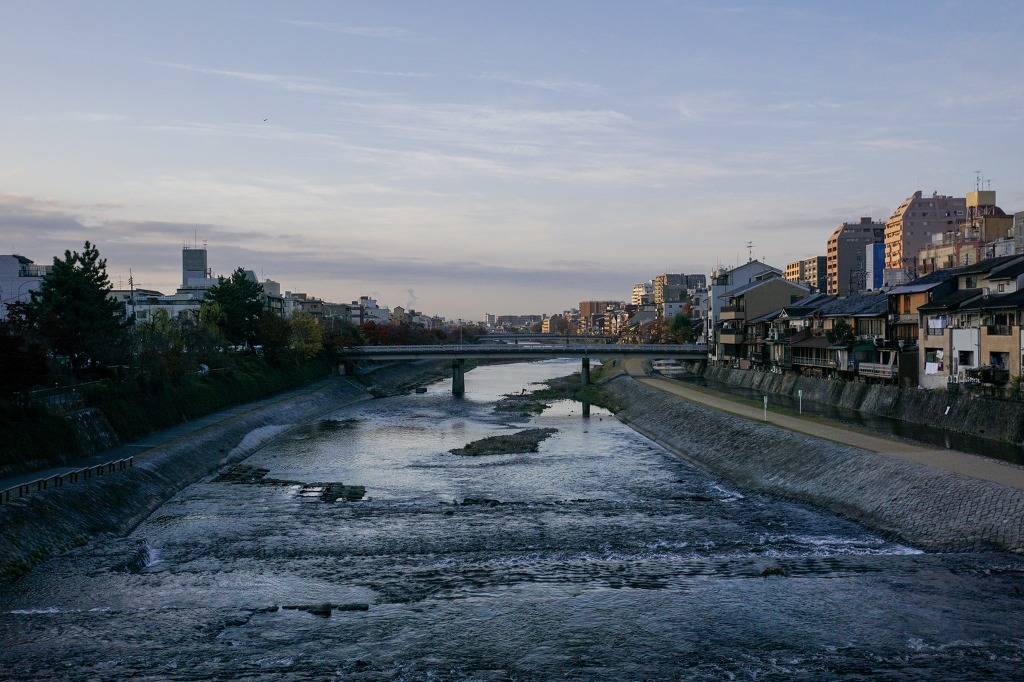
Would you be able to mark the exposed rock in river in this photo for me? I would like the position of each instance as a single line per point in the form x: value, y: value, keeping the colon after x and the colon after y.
x: 513, y: 443
x: 328, y: 492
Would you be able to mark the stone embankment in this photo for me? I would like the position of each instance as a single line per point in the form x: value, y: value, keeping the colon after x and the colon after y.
x: 41, y: 525
x: 924, y: 506
x: 980, y: 416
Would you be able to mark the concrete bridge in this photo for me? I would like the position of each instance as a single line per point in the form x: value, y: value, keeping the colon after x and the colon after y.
x: 541, y: 338
x: 459, y: 353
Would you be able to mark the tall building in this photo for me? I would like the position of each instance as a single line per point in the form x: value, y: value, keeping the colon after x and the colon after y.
x: 986, y: 232
x: 642, y: 293
x: 910, y: 228
x: 874, y: 265
x: 810, y: 271
x: 663, y: 280
x: 846, y: 262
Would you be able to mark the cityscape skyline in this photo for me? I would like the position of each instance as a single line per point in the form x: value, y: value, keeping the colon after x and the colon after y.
x: 471, y: 159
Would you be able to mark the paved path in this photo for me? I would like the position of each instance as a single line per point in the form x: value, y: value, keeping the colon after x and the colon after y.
x: 139, y: 448
x: 964, y: 463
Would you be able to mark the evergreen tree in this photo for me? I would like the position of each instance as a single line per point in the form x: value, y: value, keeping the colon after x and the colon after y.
x: 73, y: 313
x: 240, y: 302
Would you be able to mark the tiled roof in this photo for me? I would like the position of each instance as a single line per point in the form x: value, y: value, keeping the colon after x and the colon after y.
x: 952, y: 301
x: 1012, y: 300
x: 869, y: 304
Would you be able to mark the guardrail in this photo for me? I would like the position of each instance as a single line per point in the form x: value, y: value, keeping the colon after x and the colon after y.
x: 525, y: 350
x: 58, y: 480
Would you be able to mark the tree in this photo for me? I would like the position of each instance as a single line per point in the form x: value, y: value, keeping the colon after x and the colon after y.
x: 240, y: 301
x: 22, y: 360
x: 275, y: 335
x: 307, y: 336
x: 72, y: 310
x: 680, y: 329
x: 841, y: 332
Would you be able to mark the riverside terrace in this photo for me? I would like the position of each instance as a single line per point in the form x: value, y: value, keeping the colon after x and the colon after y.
x: 459, y: 353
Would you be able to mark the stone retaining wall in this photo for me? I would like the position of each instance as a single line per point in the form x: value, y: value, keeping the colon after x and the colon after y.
x: 981, y: 416
x: 926, y: 507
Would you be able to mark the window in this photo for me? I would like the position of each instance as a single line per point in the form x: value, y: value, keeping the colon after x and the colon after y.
x: 1002, y: 288
x: 1000, y: 360
x: 965, y: 358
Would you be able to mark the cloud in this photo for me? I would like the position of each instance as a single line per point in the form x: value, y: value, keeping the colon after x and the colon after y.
x: 554, y: 85
x: 150, y: 248
x: 384, y: 32
x: 894, y: 144
x: 291, y: 83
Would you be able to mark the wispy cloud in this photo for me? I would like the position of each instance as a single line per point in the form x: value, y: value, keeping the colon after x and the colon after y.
x: 391, y: 74
x: 385, y: 32
x: 551, y: 84
x: 292, y: 83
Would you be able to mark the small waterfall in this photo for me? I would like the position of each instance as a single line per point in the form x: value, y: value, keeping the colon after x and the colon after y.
x: 145, y: 558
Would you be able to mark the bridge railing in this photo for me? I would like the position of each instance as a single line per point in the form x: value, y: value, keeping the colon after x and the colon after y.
x: 525, y: 350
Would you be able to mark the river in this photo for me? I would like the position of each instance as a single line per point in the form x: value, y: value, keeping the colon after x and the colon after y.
x: 602, y: 556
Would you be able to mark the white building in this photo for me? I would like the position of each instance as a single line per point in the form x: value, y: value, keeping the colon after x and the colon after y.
x: 367, y: 309
x: 19, y: 277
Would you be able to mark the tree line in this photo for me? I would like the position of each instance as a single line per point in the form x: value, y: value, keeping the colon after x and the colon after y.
x: 72, y: 330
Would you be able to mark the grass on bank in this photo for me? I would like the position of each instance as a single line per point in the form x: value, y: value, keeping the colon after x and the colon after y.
x: 33, y: 438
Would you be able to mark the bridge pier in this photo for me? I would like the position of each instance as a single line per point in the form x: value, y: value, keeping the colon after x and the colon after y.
x: 585, y: 372
x: 458, y: 378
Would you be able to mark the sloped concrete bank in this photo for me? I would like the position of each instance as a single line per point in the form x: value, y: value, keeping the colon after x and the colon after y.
x: 47, y: 523
x: 975, y: 415
x: 926, y: 507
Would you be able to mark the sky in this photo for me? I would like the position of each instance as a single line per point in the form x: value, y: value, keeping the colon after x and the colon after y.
x: 503, y: 157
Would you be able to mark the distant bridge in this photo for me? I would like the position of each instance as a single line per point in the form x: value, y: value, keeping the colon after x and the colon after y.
x: 547, y: 337
x: 459, y: 353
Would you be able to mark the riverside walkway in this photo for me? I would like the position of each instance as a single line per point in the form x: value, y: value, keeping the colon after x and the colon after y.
x: 966, y: 464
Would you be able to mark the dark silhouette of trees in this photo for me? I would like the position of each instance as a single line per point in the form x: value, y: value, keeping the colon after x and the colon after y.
x: 73, y: 314
x: 240, y: 301
x: 680, y: 329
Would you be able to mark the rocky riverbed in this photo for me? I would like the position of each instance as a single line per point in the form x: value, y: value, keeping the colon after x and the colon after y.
x: 605, y: 557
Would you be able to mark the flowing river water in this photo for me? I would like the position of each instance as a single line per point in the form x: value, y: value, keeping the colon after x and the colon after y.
x: 602, y: 556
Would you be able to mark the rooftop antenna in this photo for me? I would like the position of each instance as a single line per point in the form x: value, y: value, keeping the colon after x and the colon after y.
x: 977, y: 180
x: 750, y: 251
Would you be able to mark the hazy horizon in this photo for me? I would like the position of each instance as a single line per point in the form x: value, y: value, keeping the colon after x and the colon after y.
x: 482, y: 157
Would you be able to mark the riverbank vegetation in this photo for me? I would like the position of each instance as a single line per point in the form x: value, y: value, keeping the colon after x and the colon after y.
x: 74, y: 347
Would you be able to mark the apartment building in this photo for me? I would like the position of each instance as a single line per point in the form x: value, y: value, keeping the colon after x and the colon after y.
x: 809, y: 271
x: 971, y: 334
x: 846, y: 255
x: 986, y: 232
x: 911, y: 227
x: 642, y: 294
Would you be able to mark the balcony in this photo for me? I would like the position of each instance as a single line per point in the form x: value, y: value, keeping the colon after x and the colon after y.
x: 876, y: 370
x: 731, y: 337
x: 731, y: 312
x: 999, y: 330
x: 813, y: 362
